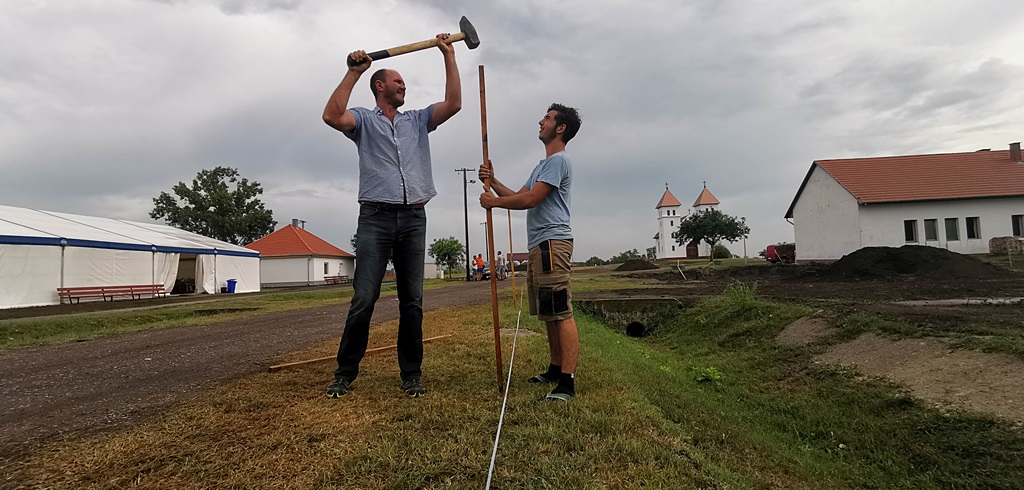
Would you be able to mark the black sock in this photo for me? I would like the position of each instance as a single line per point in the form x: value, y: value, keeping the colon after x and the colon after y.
x: 566, y: 384
x: 553, y: 372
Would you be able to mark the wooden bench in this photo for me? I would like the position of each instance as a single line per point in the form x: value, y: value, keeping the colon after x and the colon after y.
x: 134, y: 291
x: 337, y: 279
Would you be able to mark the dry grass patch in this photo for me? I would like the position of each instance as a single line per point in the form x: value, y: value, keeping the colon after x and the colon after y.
x: 278, y: 430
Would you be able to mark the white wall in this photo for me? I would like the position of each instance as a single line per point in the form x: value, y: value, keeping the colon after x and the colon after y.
x: 335, y: 267
x: 107, y: 267
x: 825, y: 218
x: 29, y: 275
x: 882, y: 224
x: 303, y: 270
x: 435, y: 271
x: 244, y: 270
x: 284, y: 270
x: 667, y: 224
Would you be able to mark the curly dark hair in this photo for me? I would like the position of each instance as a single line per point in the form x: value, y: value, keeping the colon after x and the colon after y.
x: 569, y: 117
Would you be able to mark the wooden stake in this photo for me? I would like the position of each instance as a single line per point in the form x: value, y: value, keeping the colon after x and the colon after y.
x: 490, y: 234
x: 508, y: 259
x: 375, y: 349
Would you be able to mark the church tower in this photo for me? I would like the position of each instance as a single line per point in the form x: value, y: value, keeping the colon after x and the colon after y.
x: 704, y: 202
x: 668, y: 221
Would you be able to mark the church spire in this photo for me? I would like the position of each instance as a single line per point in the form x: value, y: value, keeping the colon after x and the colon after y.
x: 667, y: 199
x: 706, y: 198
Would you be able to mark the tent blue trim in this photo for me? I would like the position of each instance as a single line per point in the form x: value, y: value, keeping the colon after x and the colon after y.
x: 29, y: 240
x: 50, y: 241
x: 141, y: 247
x: 207, y: 251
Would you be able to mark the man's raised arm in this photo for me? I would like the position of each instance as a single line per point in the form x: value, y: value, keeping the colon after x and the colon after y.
x: 336, y: 114
x: 452, y: 85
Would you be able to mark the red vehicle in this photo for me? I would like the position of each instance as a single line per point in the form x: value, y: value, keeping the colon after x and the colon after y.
x: 783, y: 252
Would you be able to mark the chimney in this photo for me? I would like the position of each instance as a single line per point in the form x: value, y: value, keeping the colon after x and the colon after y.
x: 1015, y: 152
x: 295, y: 223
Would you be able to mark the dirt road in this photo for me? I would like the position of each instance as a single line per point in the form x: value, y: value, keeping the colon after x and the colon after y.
x: 71, y: 389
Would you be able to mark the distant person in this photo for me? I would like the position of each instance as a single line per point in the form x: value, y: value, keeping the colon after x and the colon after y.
x: 480, y: 267
x: 501, y: 267
x: 395, y: 183
x: 548, y: 277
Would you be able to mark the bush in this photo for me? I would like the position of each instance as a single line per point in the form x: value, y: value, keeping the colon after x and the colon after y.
x: 722, y: 252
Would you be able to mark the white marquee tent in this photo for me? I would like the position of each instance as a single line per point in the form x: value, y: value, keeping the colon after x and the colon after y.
x: 41, y: 251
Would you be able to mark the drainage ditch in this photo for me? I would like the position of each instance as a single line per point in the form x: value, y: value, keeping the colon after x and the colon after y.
x: 636, y: 317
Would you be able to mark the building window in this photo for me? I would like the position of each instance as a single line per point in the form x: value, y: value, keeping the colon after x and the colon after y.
x: 910, y: 230
x: 1018, y: 224
x: 931, y: 230
x: 671, y: 223
x: 325, y: 268
x: 973, y: 228
x: 952, y: 229
x: 673, y: 248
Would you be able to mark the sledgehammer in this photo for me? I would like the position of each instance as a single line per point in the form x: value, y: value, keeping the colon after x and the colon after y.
x: 468, y: 34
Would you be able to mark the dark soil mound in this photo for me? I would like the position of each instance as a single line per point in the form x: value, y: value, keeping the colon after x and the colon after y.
x: 635, y: 265
x: 909, y: 262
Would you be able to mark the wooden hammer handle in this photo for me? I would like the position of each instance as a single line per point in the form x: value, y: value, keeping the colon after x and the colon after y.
x: 408, y: 48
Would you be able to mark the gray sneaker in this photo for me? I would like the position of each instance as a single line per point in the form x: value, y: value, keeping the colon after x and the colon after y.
x: 338, y: 388
x: 558, y: 396
x: 412, y: 387
x: 543, y: 378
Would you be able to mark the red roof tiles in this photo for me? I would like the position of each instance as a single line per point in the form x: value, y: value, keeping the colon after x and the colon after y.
x: 291, y: 240
x: 924, y: 177
x: 705, y: 199
x: 667, y: 199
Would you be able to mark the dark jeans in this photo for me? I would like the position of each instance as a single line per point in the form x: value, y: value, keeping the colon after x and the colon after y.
x: 381, y: 232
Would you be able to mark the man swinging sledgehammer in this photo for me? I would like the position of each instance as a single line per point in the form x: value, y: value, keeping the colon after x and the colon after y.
x: 395, y: 183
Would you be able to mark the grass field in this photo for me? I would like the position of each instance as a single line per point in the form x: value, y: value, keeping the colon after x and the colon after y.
x: 67, y: 328
x: 58, y: 329
x: 709, y: 402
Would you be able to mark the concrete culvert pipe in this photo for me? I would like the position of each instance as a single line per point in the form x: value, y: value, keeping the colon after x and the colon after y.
x: 636, y: 329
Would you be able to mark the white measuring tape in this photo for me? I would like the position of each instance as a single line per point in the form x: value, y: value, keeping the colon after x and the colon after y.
x: 501, y: 419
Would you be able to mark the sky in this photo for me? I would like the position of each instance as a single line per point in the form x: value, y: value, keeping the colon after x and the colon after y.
x: 105, y: 104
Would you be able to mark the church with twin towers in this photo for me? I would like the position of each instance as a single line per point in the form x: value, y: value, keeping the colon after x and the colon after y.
x: 670, y: 213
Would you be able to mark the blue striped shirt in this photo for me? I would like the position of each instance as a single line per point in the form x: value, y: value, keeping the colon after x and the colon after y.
x: 394, y: 159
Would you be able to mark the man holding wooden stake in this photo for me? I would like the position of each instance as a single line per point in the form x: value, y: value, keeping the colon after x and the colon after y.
x: 395, y: 183
x: 548, y: 277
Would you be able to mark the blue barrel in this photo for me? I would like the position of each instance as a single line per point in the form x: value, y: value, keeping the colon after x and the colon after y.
x: 231, y: 285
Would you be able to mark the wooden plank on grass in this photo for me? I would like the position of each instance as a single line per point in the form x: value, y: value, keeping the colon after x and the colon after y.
x: 309, y: 361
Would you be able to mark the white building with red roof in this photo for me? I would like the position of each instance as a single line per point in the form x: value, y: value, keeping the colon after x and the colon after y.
x: 292, y: 256
x: 956, y: 201
x: 670, y: 213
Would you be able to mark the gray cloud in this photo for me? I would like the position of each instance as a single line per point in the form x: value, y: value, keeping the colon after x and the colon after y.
x: 102, y: 107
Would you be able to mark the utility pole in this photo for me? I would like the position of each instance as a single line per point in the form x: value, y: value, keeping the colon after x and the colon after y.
x: 465, y: 208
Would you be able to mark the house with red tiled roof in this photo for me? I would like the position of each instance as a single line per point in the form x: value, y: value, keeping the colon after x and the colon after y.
x: 956, y: 201
x: 292, y: 256
x: 670, y: 213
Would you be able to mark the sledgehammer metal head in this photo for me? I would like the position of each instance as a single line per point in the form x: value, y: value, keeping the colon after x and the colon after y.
x: 467, y: 33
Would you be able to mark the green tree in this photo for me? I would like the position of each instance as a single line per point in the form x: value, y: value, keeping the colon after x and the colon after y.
x: 595, y: 260
x: 448, y: 252
x: 354, y: 241
x: 722, y: 252
x: 624, y: 256
x: 219, y: 204
x: 710, y: 226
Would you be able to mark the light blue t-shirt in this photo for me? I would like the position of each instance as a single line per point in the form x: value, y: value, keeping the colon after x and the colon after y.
x: 550, y: 219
